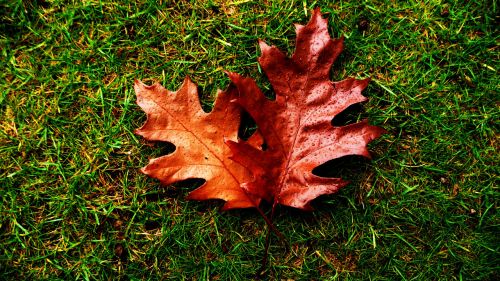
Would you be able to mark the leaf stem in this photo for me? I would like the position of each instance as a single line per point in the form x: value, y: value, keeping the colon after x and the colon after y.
x: 271, y: 225
x: 268, y: 239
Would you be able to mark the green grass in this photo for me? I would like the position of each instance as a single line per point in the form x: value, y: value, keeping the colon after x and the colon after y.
x: 74, y: 205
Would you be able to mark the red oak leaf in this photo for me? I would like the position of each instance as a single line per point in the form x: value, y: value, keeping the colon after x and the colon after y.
x: 297, y: 125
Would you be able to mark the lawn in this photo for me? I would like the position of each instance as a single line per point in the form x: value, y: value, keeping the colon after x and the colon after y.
x: 74, y: 204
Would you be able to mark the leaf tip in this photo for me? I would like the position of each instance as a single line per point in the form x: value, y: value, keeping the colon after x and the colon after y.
x: 144, y: 170
x: 263, y: 46
x: 381, y: 131
x: 316, y: 16
x: 187, y: 82
x: 298, y: 27
x: 138, y: 85
x: 317, y: 11
x: 372, y: 133
x: 233, y: 76
x: 340, y: 42
x: 376, y: 130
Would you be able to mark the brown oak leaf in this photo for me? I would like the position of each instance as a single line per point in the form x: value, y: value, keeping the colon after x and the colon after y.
x: 296, y: 126
x: 199, y: 140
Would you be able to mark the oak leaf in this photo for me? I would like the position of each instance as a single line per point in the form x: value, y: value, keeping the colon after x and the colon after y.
x: 199, y: 139
x: 296, y: 128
